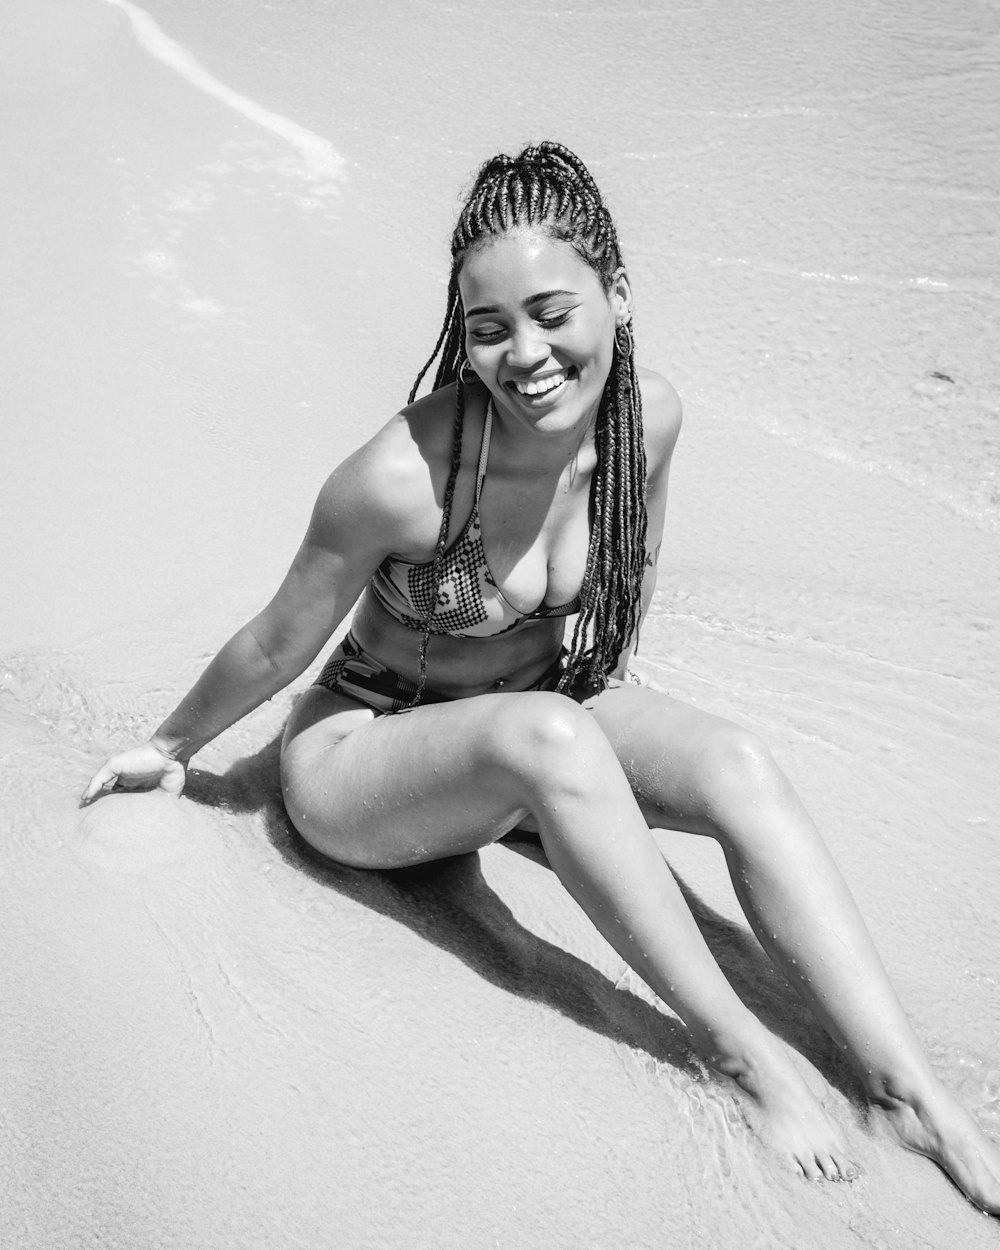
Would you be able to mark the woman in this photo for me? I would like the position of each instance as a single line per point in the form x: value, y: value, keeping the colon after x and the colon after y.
x: 528, y: 487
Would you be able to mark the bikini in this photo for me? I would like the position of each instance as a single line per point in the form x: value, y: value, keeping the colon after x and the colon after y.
x: 468, y: 603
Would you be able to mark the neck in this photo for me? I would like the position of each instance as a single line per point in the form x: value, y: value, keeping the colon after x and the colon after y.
x: 546, y: 451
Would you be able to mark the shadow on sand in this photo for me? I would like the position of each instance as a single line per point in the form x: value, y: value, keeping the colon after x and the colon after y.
x: 449, y: 903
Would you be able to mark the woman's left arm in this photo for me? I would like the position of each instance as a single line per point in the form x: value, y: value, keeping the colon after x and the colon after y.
x: 661, y: 418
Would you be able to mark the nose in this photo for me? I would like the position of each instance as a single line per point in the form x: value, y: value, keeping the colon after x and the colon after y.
x: 527, y: 347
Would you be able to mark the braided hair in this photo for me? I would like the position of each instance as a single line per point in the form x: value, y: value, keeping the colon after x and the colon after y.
x: 548, y: 187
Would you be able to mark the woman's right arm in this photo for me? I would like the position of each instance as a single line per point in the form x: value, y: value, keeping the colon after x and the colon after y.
x: 350, y: 531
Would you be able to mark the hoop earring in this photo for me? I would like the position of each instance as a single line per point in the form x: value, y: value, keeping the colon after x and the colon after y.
x: 623, y: 340
x: 467, y: 375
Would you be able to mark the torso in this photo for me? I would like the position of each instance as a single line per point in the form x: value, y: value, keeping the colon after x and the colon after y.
x: 459, y: 595
x: 533, y: 524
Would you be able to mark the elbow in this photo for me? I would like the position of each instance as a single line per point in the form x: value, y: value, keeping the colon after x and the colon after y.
x: 282, y: 657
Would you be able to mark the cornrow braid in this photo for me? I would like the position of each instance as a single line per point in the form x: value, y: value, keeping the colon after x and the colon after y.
x: 549, y: 188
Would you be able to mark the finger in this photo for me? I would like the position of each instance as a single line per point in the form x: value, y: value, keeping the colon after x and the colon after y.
x: 104, y: 779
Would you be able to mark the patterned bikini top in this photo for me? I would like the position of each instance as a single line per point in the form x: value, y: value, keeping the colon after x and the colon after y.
x: 469, y: 602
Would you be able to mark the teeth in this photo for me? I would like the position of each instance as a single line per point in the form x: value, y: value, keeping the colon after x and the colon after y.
x: 541, y: 386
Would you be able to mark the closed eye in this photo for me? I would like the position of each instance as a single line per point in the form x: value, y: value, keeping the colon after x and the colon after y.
x: 492, y: 332
x: 486, y: 334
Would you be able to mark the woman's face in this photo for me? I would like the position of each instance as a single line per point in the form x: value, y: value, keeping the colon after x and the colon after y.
x: 539, y: 328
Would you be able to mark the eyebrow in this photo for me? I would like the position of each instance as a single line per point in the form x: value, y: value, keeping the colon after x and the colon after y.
x: 532, y: 299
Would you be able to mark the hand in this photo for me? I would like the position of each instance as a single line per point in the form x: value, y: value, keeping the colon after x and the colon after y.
x: 143, y: 767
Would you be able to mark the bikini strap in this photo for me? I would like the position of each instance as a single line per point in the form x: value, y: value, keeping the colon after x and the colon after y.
x: 484, y: 451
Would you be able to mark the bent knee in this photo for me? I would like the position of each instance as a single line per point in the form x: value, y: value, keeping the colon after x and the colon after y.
x: 540, y: 723
x: 548, y: 741
x: 734, y: 766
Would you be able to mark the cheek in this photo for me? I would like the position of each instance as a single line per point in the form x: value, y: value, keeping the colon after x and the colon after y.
x: 600, y: 349
x: 482, y: 356
x: 597, y: 337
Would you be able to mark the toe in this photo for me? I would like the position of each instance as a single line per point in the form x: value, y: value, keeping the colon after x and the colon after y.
x: 849, y: 1170
x: 810, y: 1167
x: 828, y: 1166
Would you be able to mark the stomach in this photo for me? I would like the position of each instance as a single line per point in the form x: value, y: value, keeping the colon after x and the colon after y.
x: 461, y: 667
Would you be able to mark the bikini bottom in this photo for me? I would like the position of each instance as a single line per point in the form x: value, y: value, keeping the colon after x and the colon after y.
x: 351, y: 671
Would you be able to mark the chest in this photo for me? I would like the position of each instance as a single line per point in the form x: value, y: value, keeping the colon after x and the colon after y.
x: 535, y: 533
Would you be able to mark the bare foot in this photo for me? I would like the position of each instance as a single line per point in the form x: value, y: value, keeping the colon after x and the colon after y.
x: 787, y: 1116
x: 933, y: 1124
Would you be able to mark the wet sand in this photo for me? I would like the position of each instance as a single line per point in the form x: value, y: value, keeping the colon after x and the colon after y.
x: 215, y: 1040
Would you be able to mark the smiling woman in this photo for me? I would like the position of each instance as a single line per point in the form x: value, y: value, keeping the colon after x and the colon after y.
x: 540, y: 292
x: 530, y: 485
x: 527, y: 346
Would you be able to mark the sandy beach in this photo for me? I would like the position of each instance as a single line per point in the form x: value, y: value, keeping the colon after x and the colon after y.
x: 225, y: 246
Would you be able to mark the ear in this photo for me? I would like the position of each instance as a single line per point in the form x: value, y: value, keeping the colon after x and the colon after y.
x: 620, y: 297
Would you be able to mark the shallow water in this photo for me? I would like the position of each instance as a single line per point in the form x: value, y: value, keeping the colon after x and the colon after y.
x: 227, y: 249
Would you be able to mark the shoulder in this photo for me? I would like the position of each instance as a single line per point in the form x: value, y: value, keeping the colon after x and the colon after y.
x: 388, y: 486
x: 661, y: 417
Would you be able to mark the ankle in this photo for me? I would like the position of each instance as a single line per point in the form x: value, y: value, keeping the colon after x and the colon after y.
x: 893, y: 1091
x: 749, y: 1058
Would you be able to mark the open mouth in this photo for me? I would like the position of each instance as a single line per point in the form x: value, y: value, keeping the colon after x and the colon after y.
x: 540, y: 388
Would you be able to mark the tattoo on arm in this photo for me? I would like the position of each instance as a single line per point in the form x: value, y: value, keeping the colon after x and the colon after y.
x: 653, y: 556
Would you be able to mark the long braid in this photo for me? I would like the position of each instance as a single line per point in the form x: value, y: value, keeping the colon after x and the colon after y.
x: 449, y: 345
x: 547, y: 186
x: 442, y: 542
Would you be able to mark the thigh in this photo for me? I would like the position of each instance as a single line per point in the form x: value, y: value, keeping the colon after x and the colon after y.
x: 382, y: 791
x: 665, y: 748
